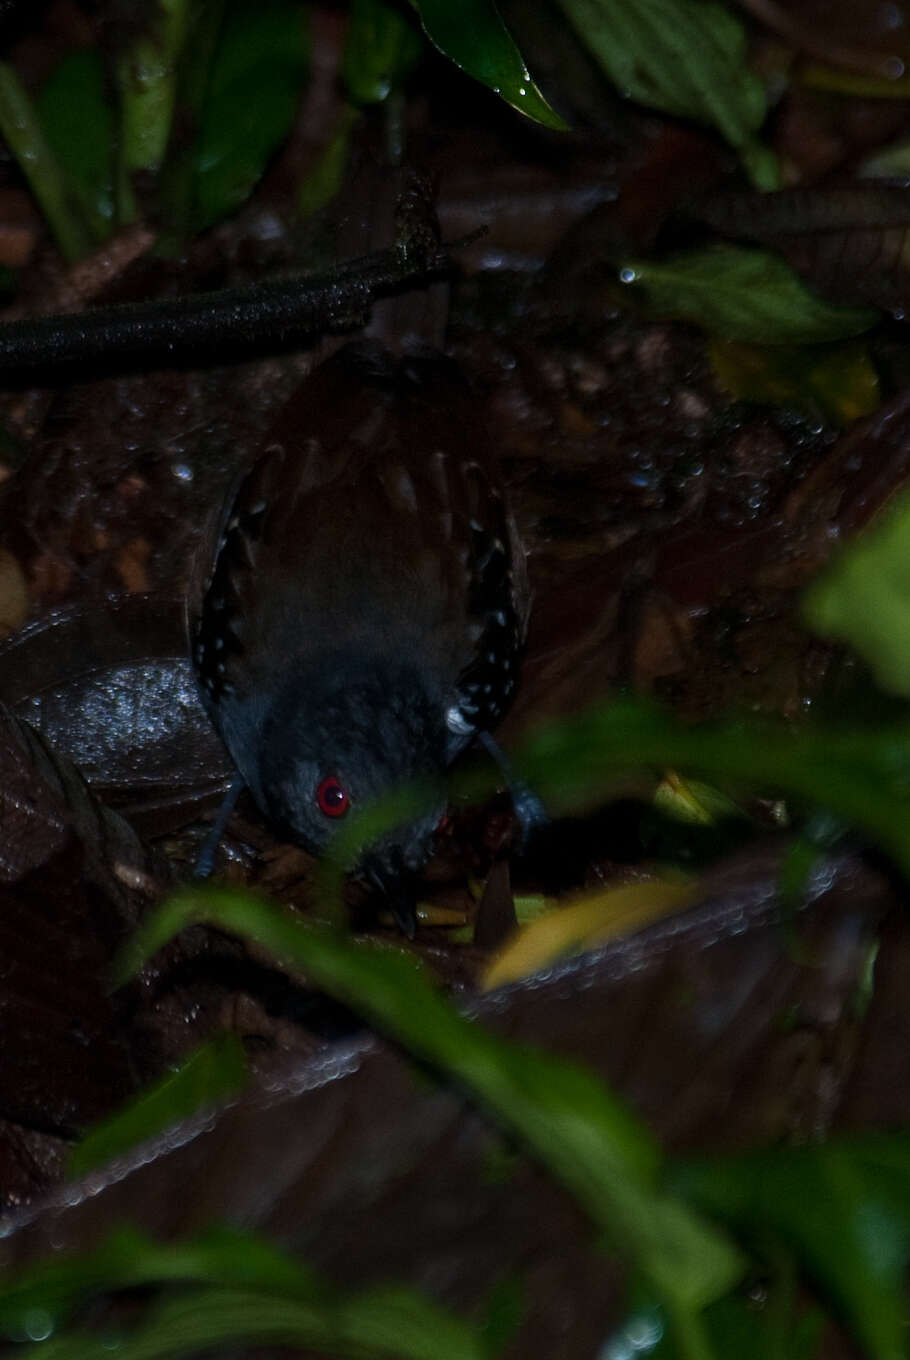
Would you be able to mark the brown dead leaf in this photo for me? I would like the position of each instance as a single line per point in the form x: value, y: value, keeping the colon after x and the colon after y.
x: 13, y: 594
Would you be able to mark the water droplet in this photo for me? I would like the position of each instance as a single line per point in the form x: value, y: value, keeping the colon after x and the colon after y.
x: 38, y: 1324
x: 627, y: 276
x: 183, y: 472
x: 522, y: 91
x: 637, y: 1337
x: 644, y: 1331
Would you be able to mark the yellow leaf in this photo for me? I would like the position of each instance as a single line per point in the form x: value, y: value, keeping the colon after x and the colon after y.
x: 837, y: 381
x: 589, y: 920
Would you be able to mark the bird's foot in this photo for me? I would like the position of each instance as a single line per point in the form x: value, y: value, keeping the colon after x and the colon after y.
x: 530, y: 812
x: 205, y: 862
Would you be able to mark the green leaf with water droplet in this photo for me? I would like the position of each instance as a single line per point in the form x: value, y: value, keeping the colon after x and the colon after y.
x: 381, y: 49
x: 147, y: 80
x: 743, y: 293
x: 473, y: 36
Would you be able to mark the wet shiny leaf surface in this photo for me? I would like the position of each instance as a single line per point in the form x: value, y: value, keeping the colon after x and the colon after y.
x: 475, y: 38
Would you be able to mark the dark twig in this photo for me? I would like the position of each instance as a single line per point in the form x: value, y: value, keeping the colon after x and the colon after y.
x: 200, y: 326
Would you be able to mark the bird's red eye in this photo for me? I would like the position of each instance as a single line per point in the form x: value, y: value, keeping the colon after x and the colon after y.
x: 331, y: 797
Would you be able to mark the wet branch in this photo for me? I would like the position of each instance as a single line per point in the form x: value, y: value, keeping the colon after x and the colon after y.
x: 203, y: 326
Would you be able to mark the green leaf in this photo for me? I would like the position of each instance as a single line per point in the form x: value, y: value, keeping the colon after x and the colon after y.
x: 128, y: 1259
x: 862, y: 774
x: 381, y: 50
x: 256, y: 78
x: 889, y: 162
x: 863, y: 597
x: 393, y: 1326
x: 323, y: 182
x: 255, y: 1293
x: 147, y: 78
x: 736, y: 1326
x: 854, y: 83
x: 843, y: 1208
x: 214, y: 1072
x: 203, y: 25
x: 817, y: 838
x: 743, y: 293
x: 505, y: 1308
x: 838, y: 383
x: 21, y: 130
x: 79, y: 128
x: 687, y: 57
x: 473, y: 36
x: 572, y: 1122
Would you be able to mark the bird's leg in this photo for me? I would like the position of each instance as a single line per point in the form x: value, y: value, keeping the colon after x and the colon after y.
x: 530, y: 811
x: 206, y: 861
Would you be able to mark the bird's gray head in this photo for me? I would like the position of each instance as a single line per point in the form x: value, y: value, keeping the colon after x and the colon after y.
x: 341, y: 741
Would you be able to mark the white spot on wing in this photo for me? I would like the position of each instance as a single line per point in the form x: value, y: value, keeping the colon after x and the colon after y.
x: 457, y: 723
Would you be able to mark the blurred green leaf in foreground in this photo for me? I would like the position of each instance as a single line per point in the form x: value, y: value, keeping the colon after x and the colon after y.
x: 863, y: 598
x: 214, y: 1072
x: 837, y: 1212
x: 234, y: 1288
x: 842, y: 1208
x: 573, y: 1124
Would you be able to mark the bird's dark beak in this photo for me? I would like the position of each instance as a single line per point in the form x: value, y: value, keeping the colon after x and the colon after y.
x: 403, y: 909
x: 387, y: 874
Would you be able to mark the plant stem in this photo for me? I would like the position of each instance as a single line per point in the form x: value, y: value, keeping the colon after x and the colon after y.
x: 145, y: 76
x: 22, y: 132
x: 689, y: 1331
x: 203, y: 23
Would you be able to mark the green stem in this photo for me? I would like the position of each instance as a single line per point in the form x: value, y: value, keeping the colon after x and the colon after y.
x: 22, y: 132
x: 145, y: 75
x: 203, y: 25
x: 689, y: 1330
x: 125, y: 209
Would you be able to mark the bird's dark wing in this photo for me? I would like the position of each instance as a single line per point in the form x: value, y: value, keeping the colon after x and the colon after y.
x: 374, y: 519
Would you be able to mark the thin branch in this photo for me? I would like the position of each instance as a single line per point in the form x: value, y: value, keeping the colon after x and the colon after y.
x: 222, y: 323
